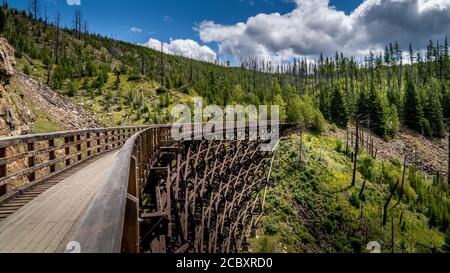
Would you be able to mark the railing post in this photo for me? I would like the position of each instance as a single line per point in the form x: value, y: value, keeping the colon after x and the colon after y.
x: 3, y: 189
x: 80, y: 155
x: 67, y: 150
x: 106, y: 141
x: 88, y: 144
x: 31, y: 162
x: 99, y: 142
x: 51, y: 155
x: 113, y: 139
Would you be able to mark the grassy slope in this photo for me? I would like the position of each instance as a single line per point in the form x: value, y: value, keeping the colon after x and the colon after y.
x: 311, y: 208
x: 115, y: 105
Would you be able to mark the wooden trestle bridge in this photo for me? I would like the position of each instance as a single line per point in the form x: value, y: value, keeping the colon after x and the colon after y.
x: 130, y: 190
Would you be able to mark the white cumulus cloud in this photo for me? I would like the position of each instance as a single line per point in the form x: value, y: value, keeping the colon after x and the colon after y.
x: 73, y: 2
x: 314, y: 26
x: 187, y: 48
x: 135, y: 30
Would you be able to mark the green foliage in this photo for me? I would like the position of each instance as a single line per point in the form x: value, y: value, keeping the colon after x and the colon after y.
x: 3, y: 19
x: 373, y: 110
x: 237, y: 96
x: 101, y: 80
x: 413, y: 113
x: 338, y: 110
x: 394, y: 121
x: 445, y: 92
x: 303, y: 112
x: 71, y: 89
x: 433, y: 111
x: 311, y: 208
x: 446, y: 247
x: 278, y: 100
x: 383, y: 88
x: 367, y: 167
x: 27, y: 70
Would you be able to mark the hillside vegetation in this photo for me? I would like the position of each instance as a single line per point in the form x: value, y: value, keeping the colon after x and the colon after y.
x: 312, y: 205
x: 133, y: 83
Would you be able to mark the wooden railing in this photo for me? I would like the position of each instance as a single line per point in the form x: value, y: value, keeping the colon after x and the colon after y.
x: 111, y: 223
x: 30, y: 159
x: 115, y: 208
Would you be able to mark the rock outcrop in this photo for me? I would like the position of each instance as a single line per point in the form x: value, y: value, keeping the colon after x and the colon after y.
x: 23, y: 100
x: 9, y: 119
x: 60, y: 108
x: 7, y: 61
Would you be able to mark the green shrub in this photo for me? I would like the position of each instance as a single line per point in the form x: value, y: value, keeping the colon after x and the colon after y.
x: 27, y: 70
x: 303, y: 112
x: 354, y: 200
x: 367, y: 167
x: 71, y: 89
x: 134, y: 77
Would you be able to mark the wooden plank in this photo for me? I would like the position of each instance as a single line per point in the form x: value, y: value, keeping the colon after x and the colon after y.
x: 43, y: 224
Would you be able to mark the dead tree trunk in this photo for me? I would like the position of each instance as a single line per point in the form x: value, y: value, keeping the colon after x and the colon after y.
x: 385, y: 208
x: 402, y: 189
x: 356, y: 154
x: 361, y: 193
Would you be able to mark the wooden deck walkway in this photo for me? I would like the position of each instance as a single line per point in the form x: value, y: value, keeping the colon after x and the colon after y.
x: 45, y: 224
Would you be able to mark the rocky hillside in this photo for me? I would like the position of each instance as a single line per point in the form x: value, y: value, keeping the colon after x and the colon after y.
x: 427, y: 154
x: 28, y: 106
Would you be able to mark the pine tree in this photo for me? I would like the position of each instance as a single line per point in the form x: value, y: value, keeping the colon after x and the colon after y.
x: 324, y: 104
x: 338, y: 109
x: 394, y: 122
x: 413, y: 111
x: 3, y: 19
x: 445, y: 93
x: 433, y: 113
x: 446, y: 61
x: 363, y: 104
x: 378, y: 112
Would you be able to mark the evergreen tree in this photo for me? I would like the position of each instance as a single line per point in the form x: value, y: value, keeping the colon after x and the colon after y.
x: 324, y: 104
x: 433, y: 113
x: 446, y: 60
x: 275, y: 89
x: 338, y: 109
x: 3, y: 19
x: 363, y: 104
x: 378, y: 112
x: 394, y: 122
x: 413, y: 111
x: 212, y: 87
x: 445, y: 93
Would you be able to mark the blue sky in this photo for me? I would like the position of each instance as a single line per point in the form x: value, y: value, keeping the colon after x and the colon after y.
x: 164, y: 19
x: 304, y: 27
x: 161, y: 19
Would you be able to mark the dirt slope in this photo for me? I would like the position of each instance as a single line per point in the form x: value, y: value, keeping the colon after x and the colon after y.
x: 429, y: 155
x: 24, y: 102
